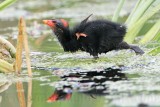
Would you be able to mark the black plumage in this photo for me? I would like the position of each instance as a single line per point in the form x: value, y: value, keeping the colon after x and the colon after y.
x: 94, y: 37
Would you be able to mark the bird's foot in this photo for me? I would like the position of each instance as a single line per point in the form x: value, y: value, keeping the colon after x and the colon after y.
x: 137, y: 50
x: 95, y: 57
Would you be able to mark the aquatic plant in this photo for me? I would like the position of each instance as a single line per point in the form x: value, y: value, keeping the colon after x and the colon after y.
x: 4, y: 65
x: 15, y: 53
x: 140, y: 14
x: 6, y: 3
x: 117, y: 11
x: 136, y: 25
x: 22, y: 42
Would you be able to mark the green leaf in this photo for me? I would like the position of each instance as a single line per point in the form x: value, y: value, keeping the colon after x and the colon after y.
x: 136, y: 27
x: 134, y: 10
x: 151, y: 33
x: 157, y: 37
x: 140, y: 10
x: 155, y: 51
x: 6, y: 3
x: 116, y: 14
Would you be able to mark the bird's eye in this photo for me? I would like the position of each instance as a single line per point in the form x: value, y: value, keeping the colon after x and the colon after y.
x: 59, y: 25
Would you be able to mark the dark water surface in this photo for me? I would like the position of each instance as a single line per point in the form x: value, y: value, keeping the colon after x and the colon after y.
x: 118, y: 78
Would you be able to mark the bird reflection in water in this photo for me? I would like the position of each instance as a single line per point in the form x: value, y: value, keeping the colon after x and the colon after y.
x: 91, y: 83
x: 61, y: 94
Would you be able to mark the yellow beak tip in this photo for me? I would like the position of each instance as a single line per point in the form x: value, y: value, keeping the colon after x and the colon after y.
x: 45, y: 21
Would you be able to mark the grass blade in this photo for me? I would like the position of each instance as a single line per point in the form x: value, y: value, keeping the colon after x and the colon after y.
x: 140, y: 11
x: 6, y: 3
x: 133, y: 11
x: 116, y: 14
x: 155, y: 51
x: 134, y: 29
x: 151, y: 33
x: 157, y: 37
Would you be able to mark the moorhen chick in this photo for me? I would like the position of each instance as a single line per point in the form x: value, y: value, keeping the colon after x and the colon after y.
x: 94, y: 37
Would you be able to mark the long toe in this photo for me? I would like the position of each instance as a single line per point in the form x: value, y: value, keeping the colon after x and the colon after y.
x: 95, y: 57
x: 138, y: 51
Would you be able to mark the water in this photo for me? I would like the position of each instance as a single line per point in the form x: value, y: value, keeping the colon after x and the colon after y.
x: 118, y: 78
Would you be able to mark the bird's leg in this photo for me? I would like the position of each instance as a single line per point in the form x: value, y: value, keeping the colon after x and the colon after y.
x: 124, y: 45
x: 96, y: 57
x: 93, y: 51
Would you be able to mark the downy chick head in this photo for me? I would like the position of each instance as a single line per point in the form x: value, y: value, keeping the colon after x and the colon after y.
x: 58, y: 26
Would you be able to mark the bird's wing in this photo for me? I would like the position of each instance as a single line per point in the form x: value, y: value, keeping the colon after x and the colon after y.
x: 78, y: 35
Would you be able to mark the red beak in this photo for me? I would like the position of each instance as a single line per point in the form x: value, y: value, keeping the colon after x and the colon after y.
x: 49, y: 23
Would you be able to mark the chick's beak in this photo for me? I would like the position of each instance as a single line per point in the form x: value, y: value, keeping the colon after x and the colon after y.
x: 49, y: 23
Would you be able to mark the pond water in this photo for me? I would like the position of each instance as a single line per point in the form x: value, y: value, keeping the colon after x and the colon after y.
x: 118, y: 78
